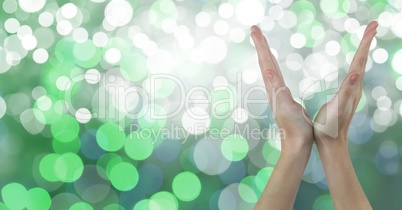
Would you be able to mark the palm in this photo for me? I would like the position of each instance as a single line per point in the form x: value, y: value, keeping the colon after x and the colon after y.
x: 334, y: 117
x: 290, y: 116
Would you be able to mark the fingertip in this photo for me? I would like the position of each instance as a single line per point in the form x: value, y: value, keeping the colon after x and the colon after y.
x: 254, y: 28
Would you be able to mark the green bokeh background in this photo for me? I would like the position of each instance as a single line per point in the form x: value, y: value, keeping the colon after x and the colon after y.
x: 85, y: 122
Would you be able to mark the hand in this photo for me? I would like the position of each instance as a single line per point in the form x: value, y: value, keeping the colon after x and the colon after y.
x: 331, y: 130
x: 295, y: 127
x: 333, y: 119
x: 290, y: 116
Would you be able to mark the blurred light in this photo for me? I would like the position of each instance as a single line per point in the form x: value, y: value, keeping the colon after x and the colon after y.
x: 398, y: 83
x: 92, y: 76
x: 64, y: 27
x: 203, y: 19
x: 208, y: 157
x: 196, y: 121
x: 351, y: 25
x: 112, y: 55
x: 10, y: 200
x: 123, y: 176
x: 69, y: 10
x: 31, y: 6
x: 151, y: 178
x: 11, y: 25
x: 276, y: 12
x: 118, y: 13
x: 100, y: 39
x: 267, y: 23
x: 83, y: 115
x: 380, y: 55
x: 294, y: 61
x: 46, y: 19
x: 226, y: 10
x: 240, y: 115
x: 332, y: 48
x: 169, y: 25
x: 289, y: 19
x: 234, y: 147
x: 214, y: 49
x: 249, y: 12
x: 249, y: 76
x: 378, y: 92
x: 3, y: 107
x: 63, y: 83
x: 297, y: 40
x: 138, y: 148
x: 384, y: 103
x: 165, y: 199
x: 387, y: 158
x: 323, y: 202
x: 186, y: 186
x: 221, y: 27
x: 397, y: 62
x: 110, y: 137
x: 10, y: 6
x: 40, y: 55
x: 237, y: 35
x: 29, y: 42
x: 80, y: 35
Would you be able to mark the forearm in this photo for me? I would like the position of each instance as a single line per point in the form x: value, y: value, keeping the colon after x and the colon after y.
x: 281, y: 189
x: 344, y: 186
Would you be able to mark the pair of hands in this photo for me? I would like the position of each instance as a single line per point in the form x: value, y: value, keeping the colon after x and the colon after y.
x: 329, y: 130
x: 333, y: 119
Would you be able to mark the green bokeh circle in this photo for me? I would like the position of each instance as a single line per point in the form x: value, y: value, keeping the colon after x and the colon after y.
x: 69, y: 167
x: 15, y: 196
x: 165, y: 200
x: 110, y: 137
x: 47, y: 167
x: 124, y: 176
x: 262, y: 177
x: 136, y: 148
x: 146, y: 204
x: 65, y: 129
x: 234, y: 147
x: 38, y: 199
x: 86, y: 54
x: 186, y: 186
x: 81, y: 206
x: 248, y: 190
x: 324, y: 202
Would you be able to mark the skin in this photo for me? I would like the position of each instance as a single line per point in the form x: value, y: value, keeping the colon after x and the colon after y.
x: 329, y: 132
x: 280, y: 191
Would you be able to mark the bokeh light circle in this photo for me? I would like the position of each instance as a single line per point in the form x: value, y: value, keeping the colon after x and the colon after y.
x: 186, y: 186
x: 234, y: 147
x: 110, y: 137
x: 124, y: 176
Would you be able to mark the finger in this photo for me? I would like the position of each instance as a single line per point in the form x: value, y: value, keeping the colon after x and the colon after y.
x: 268, y: 65
x: 351, y: 88
x: 360, y: 59
x: 263, y: 52
x: 266, y: 59
x: 350, y: 94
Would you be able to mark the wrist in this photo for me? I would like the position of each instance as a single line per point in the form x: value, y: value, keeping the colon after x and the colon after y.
x: 296, y: 149
x: 333, y: 147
